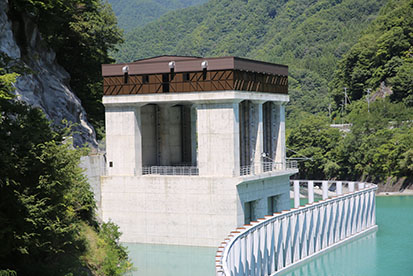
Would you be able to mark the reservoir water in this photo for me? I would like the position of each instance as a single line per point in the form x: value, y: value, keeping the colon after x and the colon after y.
x: 389, y: 251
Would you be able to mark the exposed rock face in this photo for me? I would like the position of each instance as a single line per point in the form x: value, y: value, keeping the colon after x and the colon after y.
x: 46, y: 86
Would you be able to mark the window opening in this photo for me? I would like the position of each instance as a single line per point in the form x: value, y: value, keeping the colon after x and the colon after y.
x: 165, y: 82
x: 145, y: 79
x: 187, y: 76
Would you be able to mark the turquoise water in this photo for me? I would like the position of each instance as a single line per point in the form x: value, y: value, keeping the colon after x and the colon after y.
x: 171, y: 260
x: 389, y: 251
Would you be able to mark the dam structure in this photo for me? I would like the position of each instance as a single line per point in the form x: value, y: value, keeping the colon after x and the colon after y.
x: 195, y: 147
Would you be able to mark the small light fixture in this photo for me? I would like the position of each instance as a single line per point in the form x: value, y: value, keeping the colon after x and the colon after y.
x: 204, y: 64
x: 125, y: 69
x: 172, y: 65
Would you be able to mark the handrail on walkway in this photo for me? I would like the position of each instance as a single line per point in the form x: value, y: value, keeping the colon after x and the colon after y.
x: 274, y: 243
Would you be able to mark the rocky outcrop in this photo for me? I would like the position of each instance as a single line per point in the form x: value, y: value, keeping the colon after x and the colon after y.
x: 46, y: 83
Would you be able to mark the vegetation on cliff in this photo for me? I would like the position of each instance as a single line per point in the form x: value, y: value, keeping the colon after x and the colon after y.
x: 81, y: 32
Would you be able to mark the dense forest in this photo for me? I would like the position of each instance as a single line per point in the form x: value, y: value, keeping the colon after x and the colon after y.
x: 134, y: 13
x: 379, y: 146
x: 47, y: 209
x: 328, y: 45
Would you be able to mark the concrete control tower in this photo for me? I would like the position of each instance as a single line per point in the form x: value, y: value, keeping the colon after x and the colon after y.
x: 195, y: 147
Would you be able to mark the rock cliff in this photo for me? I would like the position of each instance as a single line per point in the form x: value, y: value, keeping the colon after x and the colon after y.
x: 46, y: 83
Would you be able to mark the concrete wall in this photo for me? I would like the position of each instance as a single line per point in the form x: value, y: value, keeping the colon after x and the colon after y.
x: 170, y: 209
x: 187, y: 210
x: 94, y: 167
x: 258, y: 191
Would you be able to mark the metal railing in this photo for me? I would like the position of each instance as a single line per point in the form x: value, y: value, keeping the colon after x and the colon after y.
x: 170, y: 170
x: 267, y: 167
x: 275, y: 243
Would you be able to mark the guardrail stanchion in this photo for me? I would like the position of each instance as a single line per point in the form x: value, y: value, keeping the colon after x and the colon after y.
x: 310, y: 191
x: 296, y: 193
x: 325, y: 189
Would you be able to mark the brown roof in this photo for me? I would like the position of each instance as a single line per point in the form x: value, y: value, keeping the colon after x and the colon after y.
x: 159, y: 64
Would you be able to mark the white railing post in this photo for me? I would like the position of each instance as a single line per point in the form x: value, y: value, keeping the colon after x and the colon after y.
x: 325, y: 189
x: 310, y: 191
x: 296, y: 193
x: 351, y: 187
x: 339, y: 188
x: 361, y: 186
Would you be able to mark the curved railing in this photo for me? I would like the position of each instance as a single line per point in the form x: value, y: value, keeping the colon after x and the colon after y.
x: 277, y: 242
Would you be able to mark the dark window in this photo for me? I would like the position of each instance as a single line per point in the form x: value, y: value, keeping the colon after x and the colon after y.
x: 165, y: 82
x: 187, y: 76
x: 110, y: 164
x: 145, y: 79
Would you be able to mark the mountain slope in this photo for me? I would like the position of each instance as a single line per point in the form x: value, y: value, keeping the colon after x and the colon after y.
x: 383, y: 57
x: 309, y: 36
x: 134, y: 13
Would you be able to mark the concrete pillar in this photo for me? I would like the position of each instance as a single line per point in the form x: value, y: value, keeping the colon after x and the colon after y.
x: 259, y: 136
x: 339, y: 188
x: 280, y: 148
x: 275, y: 130
x: 351, y: 187
x: 310, y: 191
x: 218, y: 139
x: 169, y: 135
x: 325, y: 189
x: 194, y: 145
x: 163, y: 135
x: 296, y: 193
x: 123, y: 140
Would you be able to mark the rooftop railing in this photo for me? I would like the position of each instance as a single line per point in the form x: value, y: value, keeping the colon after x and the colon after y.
x: 267, y: 167
x: 253, y: 169
x: 170, y: 170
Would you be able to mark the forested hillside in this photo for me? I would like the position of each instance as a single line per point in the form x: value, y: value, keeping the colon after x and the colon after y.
x: 309, y: 36
x: 383, y: 56
x: 379, y: 146
x: 134, y: 13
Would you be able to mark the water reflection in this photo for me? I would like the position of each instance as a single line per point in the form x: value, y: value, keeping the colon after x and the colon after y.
x: 355, y: 258
x: 171, y: 260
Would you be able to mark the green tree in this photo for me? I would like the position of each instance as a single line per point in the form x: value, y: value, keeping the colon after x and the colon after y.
x: 314, y: 138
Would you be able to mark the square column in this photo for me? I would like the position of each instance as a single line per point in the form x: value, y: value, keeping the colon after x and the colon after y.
x: 218, y: 139
x: 123, y: 140
x: 280, y: 150
x: 194, y: 141
x: 170, y: 132
x: 258, y: 135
